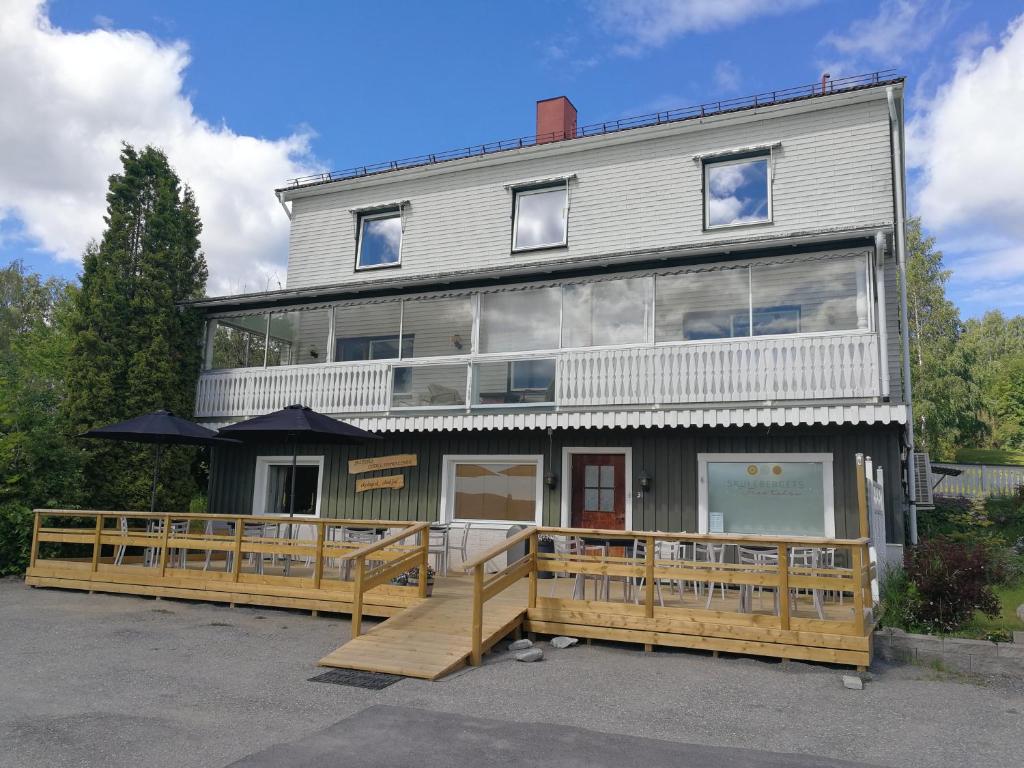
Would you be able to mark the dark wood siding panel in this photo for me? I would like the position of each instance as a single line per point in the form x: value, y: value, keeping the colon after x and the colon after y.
x: 669, y: 456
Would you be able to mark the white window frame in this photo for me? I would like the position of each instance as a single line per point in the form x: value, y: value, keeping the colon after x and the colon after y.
x: 263, y: 464
x: 519, y: 193
x: 447, y: 511
x: 828, y: 484
x: 362, y: 218
x: 567, y: 454
x: 768, y: 158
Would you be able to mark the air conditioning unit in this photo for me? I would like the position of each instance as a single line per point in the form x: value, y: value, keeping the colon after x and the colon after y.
x: 921, y: 466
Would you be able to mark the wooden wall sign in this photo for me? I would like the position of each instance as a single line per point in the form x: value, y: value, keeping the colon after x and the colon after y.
x: 355, y: 466
x: 385, y: 481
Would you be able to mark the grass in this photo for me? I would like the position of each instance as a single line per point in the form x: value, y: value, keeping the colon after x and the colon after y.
x: 990, y: 456
x: 1009, y: 598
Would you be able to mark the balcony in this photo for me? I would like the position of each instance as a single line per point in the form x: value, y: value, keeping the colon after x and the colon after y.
x: 794, y: 368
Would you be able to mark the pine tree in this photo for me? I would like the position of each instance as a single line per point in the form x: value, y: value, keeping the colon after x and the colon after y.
x: 134, y: 349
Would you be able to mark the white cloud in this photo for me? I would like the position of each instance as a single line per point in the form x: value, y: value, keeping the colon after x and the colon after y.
x: 967, y: 143
x: 727, y: 76
x: 901, y: 26
x: 70, y: 99
x: 652, y: 23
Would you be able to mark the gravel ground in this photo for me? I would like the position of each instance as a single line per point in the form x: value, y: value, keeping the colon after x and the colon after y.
x: 105, y: 680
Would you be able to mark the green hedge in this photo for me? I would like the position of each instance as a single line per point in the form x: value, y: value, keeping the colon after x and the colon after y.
x: 15, y: 538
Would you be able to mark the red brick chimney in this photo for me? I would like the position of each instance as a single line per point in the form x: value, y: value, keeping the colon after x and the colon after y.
x: 556, y: 120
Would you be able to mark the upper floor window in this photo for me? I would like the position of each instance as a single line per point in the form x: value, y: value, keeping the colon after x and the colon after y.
x: 380, y: 239
x: 541, y: 217
x: 737, y: 191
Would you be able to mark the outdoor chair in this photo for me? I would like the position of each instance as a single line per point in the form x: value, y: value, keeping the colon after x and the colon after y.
x: 120, y: 550
x: 710, y: 553
x: 360, y: 538
x: 217, y: 528
x: 437, y: 545
x: 638, y: 582
x: 462, y: 547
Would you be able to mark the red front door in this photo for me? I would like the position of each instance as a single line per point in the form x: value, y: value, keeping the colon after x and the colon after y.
x: 598, y: 491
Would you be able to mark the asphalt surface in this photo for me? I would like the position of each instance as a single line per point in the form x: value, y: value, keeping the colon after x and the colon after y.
x: 105, y: 680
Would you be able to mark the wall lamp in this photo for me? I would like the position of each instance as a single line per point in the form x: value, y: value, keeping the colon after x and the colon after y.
x: 644, y: 480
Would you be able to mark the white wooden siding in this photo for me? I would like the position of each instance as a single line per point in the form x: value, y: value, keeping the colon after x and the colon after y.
x: 832, y: 170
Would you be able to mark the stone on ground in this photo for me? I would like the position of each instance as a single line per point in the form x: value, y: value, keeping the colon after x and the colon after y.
x: 853, y: 682
x: 520, y: 645
x: 563, y: 642
x: 1020, y: 611
x: 530, y: 654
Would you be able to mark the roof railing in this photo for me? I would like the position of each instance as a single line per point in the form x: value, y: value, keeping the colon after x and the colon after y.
x: 721, y: 106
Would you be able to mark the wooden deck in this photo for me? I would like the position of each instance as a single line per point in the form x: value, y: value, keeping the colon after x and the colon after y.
x: 433, y: 638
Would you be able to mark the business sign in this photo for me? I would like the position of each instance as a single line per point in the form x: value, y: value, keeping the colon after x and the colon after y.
x: 355, y: 466
x: 773, y: 498
x: 375, y: 483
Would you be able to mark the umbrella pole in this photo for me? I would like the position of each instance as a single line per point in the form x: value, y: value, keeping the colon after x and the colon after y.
x: 291, y: 504
x: 156, y: 474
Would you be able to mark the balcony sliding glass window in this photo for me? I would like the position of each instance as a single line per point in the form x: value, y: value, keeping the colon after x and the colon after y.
x: 606, y: 313
x: 828, y: 295
x: 517, y: 321
x: 694, y: 306
x: 437, y: 327
x: 298, y: 337
x: 238, y: 342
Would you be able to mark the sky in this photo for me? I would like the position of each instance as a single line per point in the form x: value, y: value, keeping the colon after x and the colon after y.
x: 245, y: 95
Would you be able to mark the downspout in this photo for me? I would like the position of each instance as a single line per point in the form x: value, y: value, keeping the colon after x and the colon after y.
x: 287, y: 210
x: 883, y: 325
x: 896, y: 129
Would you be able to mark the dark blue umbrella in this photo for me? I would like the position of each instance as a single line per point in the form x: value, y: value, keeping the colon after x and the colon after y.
x: 162, y: 428
x: 296, y: 424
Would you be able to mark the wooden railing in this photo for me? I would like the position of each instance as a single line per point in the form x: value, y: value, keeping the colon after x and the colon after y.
x: 484, y: 590
x: 265, y: 560
x: 415, y: 557
x: 822, y: 610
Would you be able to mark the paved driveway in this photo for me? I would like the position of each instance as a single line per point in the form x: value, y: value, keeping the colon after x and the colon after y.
x: 103, y: 680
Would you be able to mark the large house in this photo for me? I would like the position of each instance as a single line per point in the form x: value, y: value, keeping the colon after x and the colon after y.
x: 689, y: 321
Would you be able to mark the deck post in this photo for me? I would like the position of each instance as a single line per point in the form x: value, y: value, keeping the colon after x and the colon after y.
x: 236, y: 564
x: 858, y: 588
x: 357, y: 598
x: 862, y: 498
x: 163, y: 545
x: 34, y: 553
x: 649, y: 578
x: 421, y: 587
x: 96, y: 545
x: 784, y: 586
x: 318, y: 561
x: 476, y: 656
x: 532, y: 599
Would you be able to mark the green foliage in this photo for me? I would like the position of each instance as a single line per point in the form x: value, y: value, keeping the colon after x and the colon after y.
x: 899, y: 601
x: 946, y: 399
x: 990, y: 456
x: 133, y: 348
x: 39, y: 466
x: 951, y: 581
x: 15, y: 538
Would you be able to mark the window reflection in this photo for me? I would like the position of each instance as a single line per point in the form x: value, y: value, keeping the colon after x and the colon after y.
x: 540, y: 217
x: 380, y: 240
x: 694, y: 306
x: 515, y: 321
x: 492, y: 491
x: 239, y: 342
x: 606, y: 313
x: 737, y: 192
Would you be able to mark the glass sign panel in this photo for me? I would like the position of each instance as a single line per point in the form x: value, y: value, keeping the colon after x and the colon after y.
x: 779, y: 498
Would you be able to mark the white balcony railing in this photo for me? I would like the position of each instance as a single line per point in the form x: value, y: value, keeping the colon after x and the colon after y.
x: 782, y: 368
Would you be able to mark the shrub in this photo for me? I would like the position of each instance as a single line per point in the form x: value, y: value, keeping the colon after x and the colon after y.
x: 899, y: 599
x: 198, y: 505
x: 15, y: 538
x: 952, y: 581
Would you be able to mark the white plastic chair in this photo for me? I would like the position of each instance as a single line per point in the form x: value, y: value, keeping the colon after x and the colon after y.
x: 638, y: 582
x: 711, y: 553
x: 437, y: 545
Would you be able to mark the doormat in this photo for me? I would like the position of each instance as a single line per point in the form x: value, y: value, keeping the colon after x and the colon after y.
x: 356, y: 678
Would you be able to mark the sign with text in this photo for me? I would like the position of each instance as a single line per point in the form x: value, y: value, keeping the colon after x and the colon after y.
x: 775, y: 498
x: 355, y: 466
x: 375, y: 483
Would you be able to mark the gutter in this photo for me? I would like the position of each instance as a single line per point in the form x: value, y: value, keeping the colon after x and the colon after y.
x: 896, y: 128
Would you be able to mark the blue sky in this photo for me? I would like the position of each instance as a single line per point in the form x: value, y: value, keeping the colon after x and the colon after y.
x: 243, y: 94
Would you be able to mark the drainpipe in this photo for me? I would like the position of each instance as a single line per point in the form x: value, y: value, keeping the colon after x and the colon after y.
x: 287, y: 210
x: 883, y: 329
x: 896, y: 129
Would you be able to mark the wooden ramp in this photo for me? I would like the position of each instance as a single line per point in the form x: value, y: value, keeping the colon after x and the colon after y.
x: 431, y: 639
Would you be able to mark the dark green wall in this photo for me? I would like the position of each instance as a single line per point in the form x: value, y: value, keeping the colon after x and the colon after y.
x: 668, y: 455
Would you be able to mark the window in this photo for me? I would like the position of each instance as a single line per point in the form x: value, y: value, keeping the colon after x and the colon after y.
x: 515, y: 321
x: 238, y: 342
x: 271, y: 494
x: 541, y: 215
x: 695, y: 306
x: 380, y: 240
x: 503, y: 489
x: 606, y: 313
x: 783, y: 494
x: 599, y: 488
x: 825, y: 295
x: 737, y: 191
x: 441, y: 327
x: 298, y: 337
x: 507, y: 382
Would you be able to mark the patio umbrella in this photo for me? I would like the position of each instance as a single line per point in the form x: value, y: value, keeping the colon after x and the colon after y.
x: 296, y: 424
x: 161, y: 428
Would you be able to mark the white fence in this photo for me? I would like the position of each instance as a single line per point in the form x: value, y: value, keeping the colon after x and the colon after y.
x: 978, y: 480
